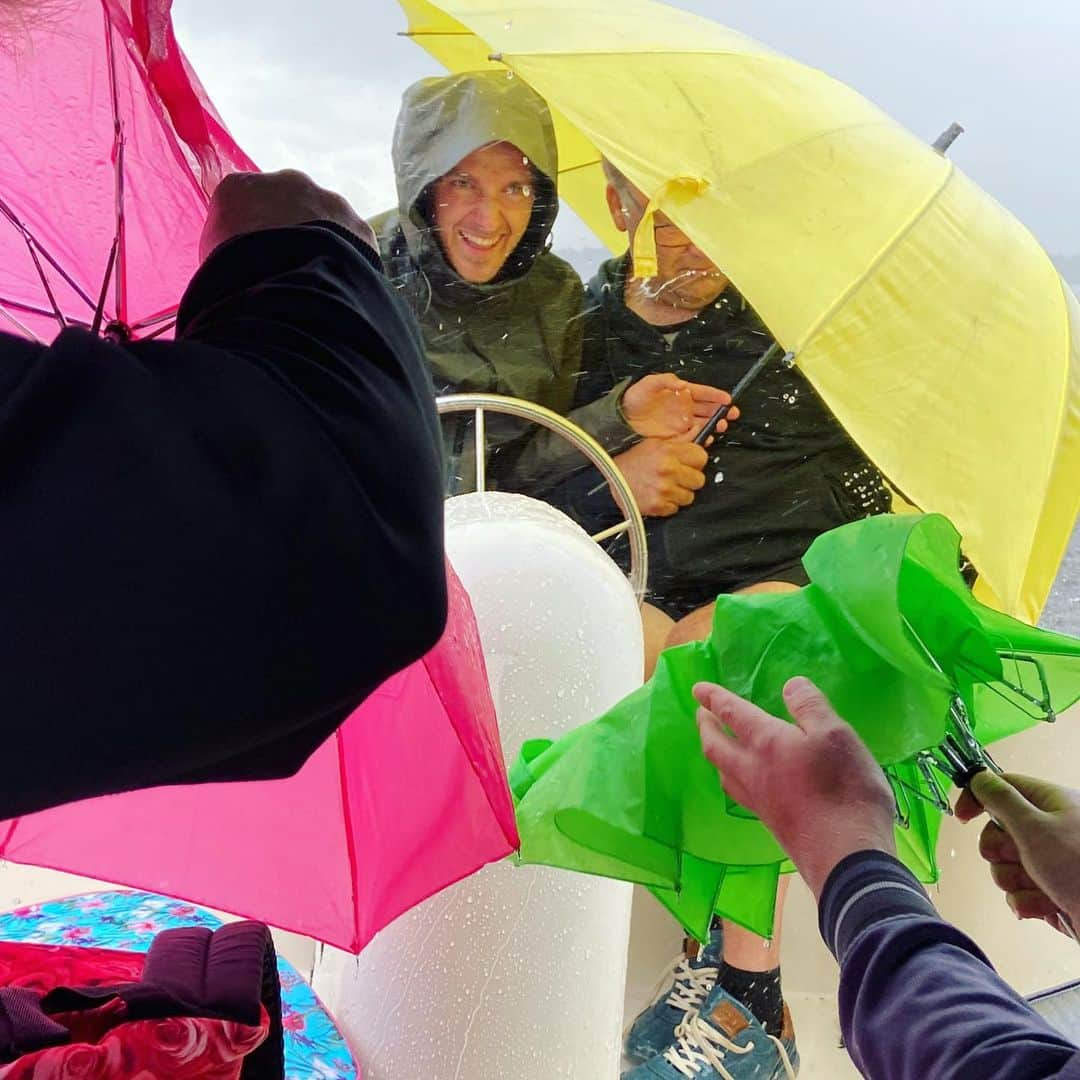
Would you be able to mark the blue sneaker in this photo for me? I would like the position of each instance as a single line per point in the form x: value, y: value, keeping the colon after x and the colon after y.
x: 694, y: 975
x: 723, y: 1041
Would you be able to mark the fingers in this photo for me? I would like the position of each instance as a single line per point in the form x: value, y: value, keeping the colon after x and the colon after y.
x: 689, y: 478
x: 1032, y: 904
x: 1042, y: 794
x: 809, y: 707
x: 718, y: 746
x: 700, y: 418
x: 968, y: 808
x: 997, y: 846
x: 705, y: 396
x: 696, y: 429
x: 725, y: 709
x: 1002, y: 800
x: 661, y: 509
x: 1012, y: 878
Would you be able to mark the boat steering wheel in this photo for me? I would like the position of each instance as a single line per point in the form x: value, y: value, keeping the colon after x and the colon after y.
x: 631, y: 523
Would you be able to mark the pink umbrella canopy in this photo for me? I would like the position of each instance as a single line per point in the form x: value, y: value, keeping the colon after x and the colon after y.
x: 109, y: 151
x: 408, y: 797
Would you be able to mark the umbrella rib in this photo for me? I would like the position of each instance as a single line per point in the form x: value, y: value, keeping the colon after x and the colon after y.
x: 10, y: 214
x: 878, y: 259
x: 116, y: 261
x: 34, y: 309
x: 350, y: 836
x: 18, y: 324
x: 30, y: 242
x: 164, y: 329
x: 168, y: 315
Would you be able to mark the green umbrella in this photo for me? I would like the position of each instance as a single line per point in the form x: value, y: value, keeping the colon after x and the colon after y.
x: 890, y: 632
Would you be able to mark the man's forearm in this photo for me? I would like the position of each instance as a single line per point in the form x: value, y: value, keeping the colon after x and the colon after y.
x: 918, y: 998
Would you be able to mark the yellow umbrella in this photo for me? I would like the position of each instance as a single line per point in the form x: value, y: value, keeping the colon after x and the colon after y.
x: 924, y: 313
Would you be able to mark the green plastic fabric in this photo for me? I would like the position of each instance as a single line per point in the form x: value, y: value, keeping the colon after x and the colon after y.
x: 889, y: 631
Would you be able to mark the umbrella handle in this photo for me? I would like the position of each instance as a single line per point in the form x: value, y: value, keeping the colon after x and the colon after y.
x: 758, y: 367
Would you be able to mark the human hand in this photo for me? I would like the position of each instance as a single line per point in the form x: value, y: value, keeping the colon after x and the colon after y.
x: 1032, y: 843
x: 663, y: 474
x: 250, y: 202
x: 813, y: 784
x: 663, y: 405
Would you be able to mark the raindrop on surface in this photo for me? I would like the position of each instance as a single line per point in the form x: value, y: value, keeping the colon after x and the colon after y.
x: 509, y: 24
x: 509, y: 74
x: 718, y: 478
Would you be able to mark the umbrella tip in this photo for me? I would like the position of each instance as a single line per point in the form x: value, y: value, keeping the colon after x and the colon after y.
x: 948, y: 137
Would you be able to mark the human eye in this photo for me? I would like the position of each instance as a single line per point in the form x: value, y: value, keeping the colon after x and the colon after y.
x: 459, y: 181
x: 521, y: 189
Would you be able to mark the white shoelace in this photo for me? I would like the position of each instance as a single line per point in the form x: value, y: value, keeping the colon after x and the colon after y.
x: 698, y: 1043
x: 692, y: 985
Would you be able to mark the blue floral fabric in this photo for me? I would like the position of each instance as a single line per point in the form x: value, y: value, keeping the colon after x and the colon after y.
x: 128, y: 921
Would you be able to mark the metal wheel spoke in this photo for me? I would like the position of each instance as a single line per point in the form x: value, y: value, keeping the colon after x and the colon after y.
x: 480, y: 435
x: 632, y: 524
x: 615, y: 530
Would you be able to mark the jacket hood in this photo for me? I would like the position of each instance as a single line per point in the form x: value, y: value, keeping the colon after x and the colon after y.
x: 443, y: 120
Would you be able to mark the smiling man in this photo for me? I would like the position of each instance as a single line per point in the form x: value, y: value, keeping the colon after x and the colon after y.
x: 475, y: 162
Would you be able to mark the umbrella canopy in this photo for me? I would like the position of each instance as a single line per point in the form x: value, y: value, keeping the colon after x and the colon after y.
x: 922, y: 671
x: 928, y: 318
x: 109, y: 151
x: 406, y: 798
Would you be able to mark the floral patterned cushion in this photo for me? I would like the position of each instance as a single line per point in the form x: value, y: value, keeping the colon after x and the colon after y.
x: 102, y: 1041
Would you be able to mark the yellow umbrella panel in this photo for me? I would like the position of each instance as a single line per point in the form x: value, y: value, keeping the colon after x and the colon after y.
x: 928, y: 318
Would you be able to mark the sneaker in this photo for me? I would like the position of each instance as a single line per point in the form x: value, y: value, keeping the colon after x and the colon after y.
x: 694, y: 974
x: 723, y: 1041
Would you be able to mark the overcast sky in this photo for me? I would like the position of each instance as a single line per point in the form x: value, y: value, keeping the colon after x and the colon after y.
x: 316, y: 84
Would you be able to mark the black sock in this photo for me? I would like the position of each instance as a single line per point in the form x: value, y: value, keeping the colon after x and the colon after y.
x: 759, y: 991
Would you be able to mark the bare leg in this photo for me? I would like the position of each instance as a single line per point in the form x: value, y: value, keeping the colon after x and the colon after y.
x: 742, y: 949
x: 698, y: 624
x: 657, y: 626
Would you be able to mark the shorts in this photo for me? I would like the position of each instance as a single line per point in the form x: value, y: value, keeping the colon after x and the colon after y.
x: 677, y: 603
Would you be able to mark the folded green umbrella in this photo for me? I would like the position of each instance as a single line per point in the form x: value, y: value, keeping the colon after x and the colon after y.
x: 887, y: 629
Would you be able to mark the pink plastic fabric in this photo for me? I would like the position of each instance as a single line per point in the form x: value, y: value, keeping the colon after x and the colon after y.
x: 408, y: 797
x: 84, y: 71
x: 411, y: 794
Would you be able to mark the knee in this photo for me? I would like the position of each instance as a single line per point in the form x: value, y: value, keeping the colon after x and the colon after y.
x: 693, y: 627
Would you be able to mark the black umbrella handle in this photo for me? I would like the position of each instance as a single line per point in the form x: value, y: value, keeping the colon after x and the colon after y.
x: 759, y: 366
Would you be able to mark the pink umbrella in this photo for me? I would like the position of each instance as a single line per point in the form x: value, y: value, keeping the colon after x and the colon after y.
x: 408, y: 797
x: 109, y: 148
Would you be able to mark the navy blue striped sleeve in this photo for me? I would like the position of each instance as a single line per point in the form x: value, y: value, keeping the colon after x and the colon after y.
x: 918, y: 998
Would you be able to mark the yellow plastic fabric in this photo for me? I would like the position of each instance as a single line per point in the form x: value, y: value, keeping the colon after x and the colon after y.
x: 927, y: 316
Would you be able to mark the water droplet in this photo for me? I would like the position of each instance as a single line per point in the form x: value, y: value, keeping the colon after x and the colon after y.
x: 718, y: 478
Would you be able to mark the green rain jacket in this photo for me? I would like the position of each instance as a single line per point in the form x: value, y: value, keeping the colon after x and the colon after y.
x: 519, y: 335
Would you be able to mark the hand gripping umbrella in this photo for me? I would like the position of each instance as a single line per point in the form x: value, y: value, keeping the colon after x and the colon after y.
x: 928, y: 318
x: 925, y: 674
x: 109, y: 150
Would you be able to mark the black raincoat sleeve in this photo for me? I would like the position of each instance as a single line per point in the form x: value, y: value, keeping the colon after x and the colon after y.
x: 215, y: 548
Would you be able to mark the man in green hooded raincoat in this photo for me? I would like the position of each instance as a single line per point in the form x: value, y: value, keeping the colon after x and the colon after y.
x: 476, y: 163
